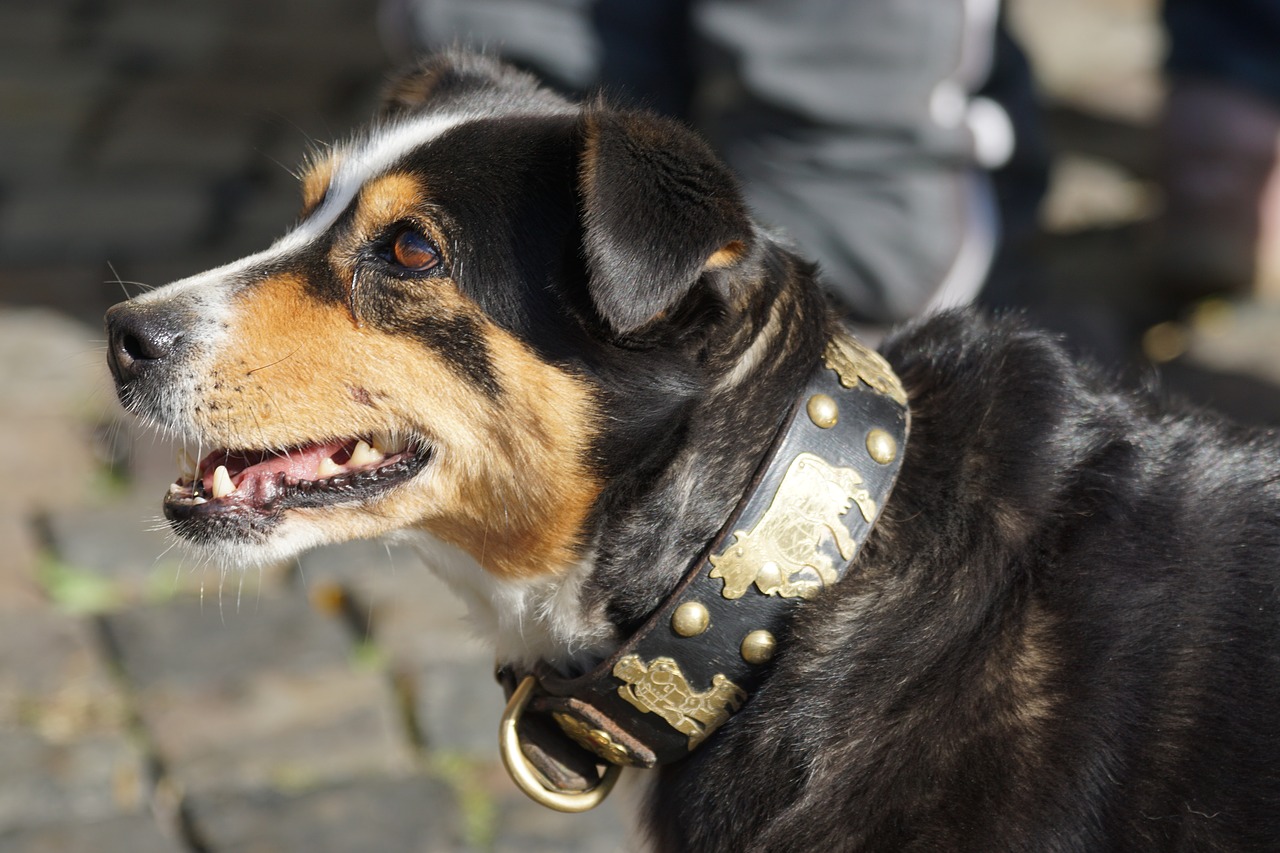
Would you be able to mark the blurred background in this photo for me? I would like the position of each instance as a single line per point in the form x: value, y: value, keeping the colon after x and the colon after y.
x: 337, y: 703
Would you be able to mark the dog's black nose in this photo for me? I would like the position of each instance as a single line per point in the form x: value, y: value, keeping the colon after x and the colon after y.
x: 139, y: 339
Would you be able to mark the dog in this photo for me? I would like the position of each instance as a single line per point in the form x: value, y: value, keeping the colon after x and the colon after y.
x: 546, y: 342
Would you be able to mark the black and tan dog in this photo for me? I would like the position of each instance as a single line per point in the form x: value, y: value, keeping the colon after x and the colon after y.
x: 547, y: 342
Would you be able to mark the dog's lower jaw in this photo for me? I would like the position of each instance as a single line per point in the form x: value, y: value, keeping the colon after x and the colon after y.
x: 540, y: 619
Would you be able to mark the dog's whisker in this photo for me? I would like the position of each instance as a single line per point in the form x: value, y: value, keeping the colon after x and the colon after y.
x: 281, y: 360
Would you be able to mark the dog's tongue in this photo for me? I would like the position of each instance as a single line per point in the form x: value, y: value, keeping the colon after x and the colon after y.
x: 299, y: 463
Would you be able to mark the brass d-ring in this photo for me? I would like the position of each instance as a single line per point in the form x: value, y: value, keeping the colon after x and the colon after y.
x: 528, y: 779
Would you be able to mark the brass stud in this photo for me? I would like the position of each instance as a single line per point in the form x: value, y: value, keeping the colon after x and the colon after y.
x: 690, y: 619
x: 881, y: 446
x: 823, y: 410
x: 758, y: 646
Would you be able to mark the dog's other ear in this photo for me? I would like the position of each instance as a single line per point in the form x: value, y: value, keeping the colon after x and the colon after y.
x: 444, y: 77
x: 661, y: 213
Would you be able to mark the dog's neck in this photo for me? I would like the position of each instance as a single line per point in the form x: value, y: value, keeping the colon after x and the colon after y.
x: 643, y: 545
x: 643, y: 550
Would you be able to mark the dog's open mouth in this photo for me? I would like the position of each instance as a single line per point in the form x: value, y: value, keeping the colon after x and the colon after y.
x: 229, y: 483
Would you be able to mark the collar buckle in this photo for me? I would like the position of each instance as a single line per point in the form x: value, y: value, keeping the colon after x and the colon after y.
x: 528, y: 779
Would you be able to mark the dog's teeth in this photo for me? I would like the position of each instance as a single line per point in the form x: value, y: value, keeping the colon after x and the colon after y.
x: 186, y: 465
x: 222, y: 485
x: 364, y: 455
x: 327, y: 468
x: 175, y: 489
x: 197, y: 500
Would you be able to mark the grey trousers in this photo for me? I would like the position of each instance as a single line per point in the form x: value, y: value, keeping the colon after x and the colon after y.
x: 854, y: 124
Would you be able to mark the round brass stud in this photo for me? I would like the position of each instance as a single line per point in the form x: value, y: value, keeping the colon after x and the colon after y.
x: 690, y: 619
x: 758, y: 646
x: 823, y: 410
x: 881, y: 446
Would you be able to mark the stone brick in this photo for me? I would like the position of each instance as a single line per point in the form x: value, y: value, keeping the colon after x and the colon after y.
x: 372, y: 816
x: 457, y: 708
x: 103, y: 217
x: 170, y: 35
x: 412, y: 614
x: 19, y: 585
x: 183, y: 125
x: 44, y: 782
x: 276, y: 730
x: 189, y: 642
x: 523, y: 826
x: 264, y: 695
x: 53, y: 678
x: 28, y: 24
x: 45, y: 102
x: 127, y: 544
x: 80, y: 291
x: 130, y: 834
x: 53, y: 365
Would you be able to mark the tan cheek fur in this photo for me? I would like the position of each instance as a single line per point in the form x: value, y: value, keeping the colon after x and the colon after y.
x: 508, y: 482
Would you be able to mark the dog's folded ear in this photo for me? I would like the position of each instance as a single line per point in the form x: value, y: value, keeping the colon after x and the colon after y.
x: 661, y: 215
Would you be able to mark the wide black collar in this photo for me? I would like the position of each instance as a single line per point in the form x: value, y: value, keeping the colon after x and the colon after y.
x: 810, y: 506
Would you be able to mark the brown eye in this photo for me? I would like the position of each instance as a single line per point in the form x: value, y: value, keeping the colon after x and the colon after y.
x: 414, y: 252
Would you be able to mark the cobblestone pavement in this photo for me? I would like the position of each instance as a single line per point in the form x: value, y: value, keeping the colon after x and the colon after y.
x: 336, y: 703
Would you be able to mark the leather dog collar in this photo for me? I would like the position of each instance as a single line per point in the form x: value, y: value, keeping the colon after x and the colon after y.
x: 810, y: 506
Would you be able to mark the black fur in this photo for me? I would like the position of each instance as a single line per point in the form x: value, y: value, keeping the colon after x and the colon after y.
x: 1064, y: 635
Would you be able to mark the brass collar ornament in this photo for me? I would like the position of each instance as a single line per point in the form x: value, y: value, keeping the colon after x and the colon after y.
x: 812, y: 504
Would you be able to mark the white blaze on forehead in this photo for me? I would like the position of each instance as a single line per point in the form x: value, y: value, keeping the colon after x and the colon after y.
x: 358, y: 163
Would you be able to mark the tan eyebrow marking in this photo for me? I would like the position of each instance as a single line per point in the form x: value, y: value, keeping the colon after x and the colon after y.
x: 388, y: 199
x: 315, y: 182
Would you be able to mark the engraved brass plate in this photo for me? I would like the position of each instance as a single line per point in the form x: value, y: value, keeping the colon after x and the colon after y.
x: 853, y: 361
x: 594, y: 740
x: 780, y: 554
x: 659, y: 687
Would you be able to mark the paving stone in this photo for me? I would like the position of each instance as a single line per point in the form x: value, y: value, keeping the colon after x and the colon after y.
x: 192, y: 642
x: 208, y: 128
x: 28, y: 24
x: 42, y: 118
x: 56, y: 466
x: 130, y: 834
x: 52, y: 365
x: 127, y: 544
x: 106, y: 216
x: 264, y: 695
x: 44, y: 782
x: 457, y: 707
x: 411, y: 815
x: 413, y: 615
x: 54, y: 679
x: 174, y: 35
x: 276, y: 731
x: 523, y: 826
x: 80, y: 291
x: 20, y: 588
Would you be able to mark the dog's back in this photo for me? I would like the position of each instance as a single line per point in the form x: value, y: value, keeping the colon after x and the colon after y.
x: 1064, y: 635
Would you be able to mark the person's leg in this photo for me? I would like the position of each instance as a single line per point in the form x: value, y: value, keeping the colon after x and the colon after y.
x: 855, y: 130
x: 553, y: 38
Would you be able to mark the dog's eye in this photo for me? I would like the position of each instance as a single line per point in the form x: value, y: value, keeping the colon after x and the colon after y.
x: 414, y: 252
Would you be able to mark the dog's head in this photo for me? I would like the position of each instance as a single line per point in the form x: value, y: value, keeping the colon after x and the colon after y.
x: 493, y: 308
